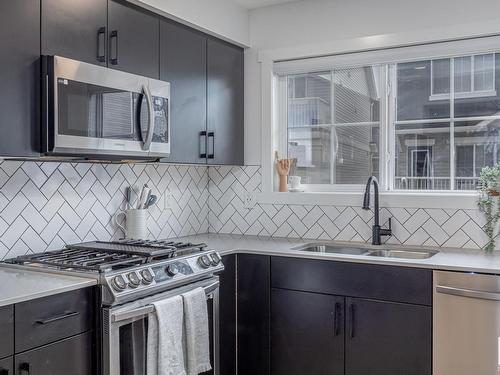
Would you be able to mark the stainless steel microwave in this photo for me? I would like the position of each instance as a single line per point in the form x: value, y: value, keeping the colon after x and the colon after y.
x: 96, y: 112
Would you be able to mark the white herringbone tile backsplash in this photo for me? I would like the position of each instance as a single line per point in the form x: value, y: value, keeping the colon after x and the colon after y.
x: 45, y: 205
x: 429, y: 227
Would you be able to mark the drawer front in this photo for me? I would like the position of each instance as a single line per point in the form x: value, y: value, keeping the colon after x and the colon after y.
x: 6, y: 366
x: 53, y: 318
x: 6, y: 331
x: 397, y: 284
x: 71, y: 356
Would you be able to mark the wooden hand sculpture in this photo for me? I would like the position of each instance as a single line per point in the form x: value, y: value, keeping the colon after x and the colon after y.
x: 283, y: 168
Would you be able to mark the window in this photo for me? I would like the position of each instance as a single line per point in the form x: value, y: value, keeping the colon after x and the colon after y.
x: 474, y: 77
x: 344, y: 124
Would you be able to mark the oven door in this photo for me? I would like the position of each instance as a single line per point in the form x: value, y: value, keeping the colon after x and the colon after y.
x: 92, y: 110
x: 125, y: 331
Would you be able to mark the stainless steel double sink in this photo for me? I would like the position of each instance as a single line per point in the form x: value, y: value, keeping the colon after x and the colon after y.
x: 385, y: 253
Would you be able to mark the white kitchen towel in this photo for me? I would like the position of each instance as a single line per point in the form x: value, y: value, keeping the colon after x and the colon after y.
x: 197, y: 335
x: 165, y: 349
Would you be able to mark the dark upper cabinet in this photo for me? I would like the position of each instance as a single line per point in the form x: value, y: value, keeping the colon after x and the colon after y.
x: 75, y: 29
x: 225, y: 103
x: 133, y: 39
x: 19, y: 77
x: 387, y: 338
x: 307, y: 333
x: 183, y: 58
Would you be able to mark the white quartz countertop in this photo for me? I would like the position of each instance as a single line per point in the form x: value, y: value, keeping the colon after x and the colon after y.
x: 446, y: 259
x: 22, y: 285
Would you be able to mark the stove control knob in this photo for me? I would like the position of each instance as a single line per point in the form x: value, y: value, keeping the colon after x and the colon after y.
x: 204, y: 261
x: 172, y: 270
x: 215, y: 259
x: 118, y: 283
x: 147, y: 277
x: 133, y: 280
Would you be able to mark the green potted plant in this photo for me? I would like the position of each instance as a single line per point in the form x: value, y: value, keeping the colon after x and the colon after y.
x: 489, y: 202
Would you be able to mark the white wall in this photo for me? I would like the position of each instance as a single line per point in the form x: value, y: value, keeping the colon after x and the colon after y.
x: 308, y: 28
x: 222, y: 18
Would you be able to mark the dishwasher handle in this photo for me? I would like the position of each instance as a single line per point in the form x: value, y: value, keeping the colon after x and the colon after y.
x: 469, y: 293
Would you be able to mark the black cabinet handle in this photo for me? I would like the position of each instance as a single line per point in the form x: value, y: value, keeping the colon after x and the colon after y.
x: 353, y: 320
x: 203, y: 144
x: 212, y: 135
x: 113, y: 47
x: 57, y: 318
x: 101, y: 44
x: 4, y: 371
x: 336, y: 319
x: 25, y: 369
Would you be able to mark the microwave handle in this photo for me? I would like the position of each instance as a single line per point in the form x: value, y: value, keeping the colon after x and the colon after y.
x: 151, y: 125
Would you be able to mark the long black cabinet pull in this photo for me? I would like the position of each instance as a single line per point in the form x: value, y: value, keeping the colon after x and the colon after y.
x: 212, y: 135
x: 113, y: 47
x: 57, y: 318
x: 101, y: 44
x: 25, y: 369
x: 353, y: 320
x: 336, y: 319
x: 203, y: 144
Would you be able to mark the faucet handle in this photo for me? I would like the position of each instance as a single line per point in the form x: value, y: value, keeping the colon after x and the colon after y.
x: 390, y: 223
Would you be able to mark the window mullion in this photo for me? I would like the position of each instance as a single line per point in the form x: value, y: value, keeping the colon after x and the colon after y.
x: 333, y: 130
x: 452, y: 124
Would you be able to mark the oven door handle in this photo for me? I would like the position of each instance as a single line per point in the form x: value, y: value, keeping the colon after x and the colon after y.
x: 144, y: 310
x: 151, y: 125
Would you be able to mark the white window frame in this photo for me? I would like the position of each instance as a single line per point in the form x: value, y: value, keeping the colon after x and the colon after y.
x: 404, y: 54
x: 466, y: 94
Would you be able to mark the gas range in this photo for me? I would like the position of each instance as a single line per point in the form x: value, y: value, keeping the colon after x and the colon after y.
x: 129, y: 269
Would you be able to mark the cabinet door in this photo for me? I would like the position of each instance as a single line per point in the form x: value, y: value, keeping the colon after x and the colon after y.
x: 225, y: 103
x: 134, y: 39
x: 227, y: 313
x: 183, y: 64
x: 75, y: 29
x: 6, y: 366
x: 19, y: 77
x: 307, y: 333
x: 253, y: 293
x: 71, y: 356
x: 6, y: 331
x: 387, y: 338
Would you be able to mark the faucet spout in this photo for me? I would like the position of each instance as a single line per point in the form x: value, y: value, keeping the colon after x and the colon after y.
x: 377, y: 231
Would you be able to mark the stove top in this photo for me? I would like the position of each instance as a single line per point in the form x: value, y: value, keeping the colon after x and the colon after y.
x: 103, y: 257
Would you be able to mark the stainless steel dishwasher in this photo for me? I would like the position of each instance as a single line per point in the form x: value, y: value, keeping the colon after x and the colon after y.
x: 466, y: 324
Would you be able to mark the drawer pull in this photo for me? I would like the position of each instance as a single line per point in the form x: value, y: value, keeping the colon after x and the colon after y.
x: 57, y: 318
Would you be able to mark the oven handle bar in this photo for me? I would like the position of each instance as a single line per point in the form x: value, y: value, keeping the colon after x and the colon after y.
x: 124, y: 315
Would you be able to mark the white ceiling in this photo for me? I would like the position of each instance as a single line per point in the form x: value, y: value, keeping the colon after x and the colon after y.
x: 252, y: 4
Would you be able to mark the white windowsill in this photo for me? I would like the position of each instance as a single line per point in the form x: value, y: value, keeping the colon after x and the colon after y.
x: 464, y: 95
x: 407, y: 199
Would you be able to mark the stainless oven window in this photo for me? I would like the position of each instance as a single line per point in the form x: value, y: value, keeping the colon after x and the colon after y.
x: 87, y: 110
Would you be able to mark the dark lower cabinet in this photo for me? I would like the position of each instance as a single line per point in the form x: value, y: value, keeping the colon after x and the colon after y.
x: 133, y: 39
x: 307, y: 333
x: 184, y: 64
x: 6, y: 331
x: 19, y: 77
x: 70, y: 356
x: 225, y: 103
x: 6, y: 366
x: 75, y: 29
x: 227, y: 316
x: 253, y: 290
x: 387, y: 338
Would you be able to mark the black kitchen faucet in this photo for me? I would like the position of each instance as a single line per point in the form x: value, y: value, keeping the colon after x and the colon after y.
x: 377, y: 231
